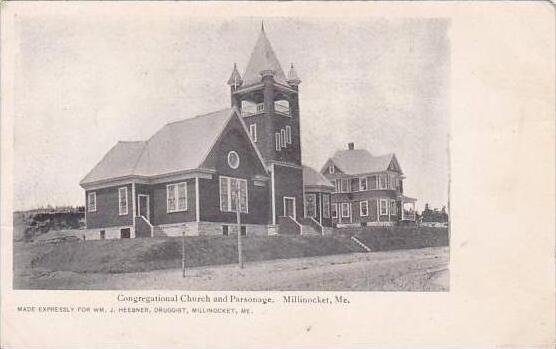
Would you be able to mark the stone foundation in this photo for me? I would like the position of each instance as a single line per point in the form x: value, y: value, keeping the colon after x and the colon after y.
x: 208, y: 228
x: 109, y: 233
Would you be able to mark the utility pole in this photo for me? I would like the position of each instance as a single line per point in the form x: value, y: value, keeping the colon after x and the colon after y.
x: 238, y: 216
x: 183, y: 254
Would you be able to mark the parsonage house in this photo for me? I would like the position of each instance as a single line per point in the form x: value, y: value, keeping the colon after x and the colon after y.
x: 194, y: 175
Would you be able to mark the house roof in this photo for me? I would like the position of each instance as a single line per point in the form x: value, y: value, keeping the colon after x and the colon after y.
x: 178, y: 146
x: 356, y: 161
x: 312, y: 177
x: 263, y: 58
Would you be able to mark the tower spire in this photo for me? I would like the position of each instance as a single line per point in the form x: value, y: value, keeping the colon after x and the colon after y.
x: 235, y: 79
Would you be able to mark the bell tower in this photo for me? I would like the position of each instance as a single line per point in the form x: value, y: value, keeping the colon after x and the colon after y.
x: 269, y: 103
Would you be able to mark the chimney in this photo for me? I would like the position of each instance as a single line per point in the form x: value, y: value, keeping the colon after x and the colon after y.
x: 351, y: 145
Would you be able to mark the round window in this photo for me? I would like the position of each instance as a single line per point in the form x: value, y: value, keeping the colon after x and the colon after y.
x: 233, y: 159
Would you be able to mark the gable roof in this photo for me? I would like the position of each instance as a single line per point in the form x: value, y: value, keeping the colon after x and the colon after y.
x: 313, y: 178
x: 263, y: 58
x: 357, y: 161
x: 178, y: 146
x: 118, y: 162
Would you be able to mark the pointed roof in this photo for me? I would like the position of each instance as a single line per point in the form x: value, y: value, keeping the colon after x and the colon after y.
x: 358, y: 161
x: 293, y: 78
x: 178, y: 146
x: 235, y: 79
x: 263, y: 58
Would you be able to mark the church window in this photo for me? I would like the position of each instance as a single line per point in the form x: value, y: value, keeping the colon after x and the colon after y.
x: 230, y: 188
x: 122, y: 199
x: 278, y: 141
x: 233, y: 160
x: 92, y: 202
x: 282, y: 107
x: 176, y: 197
x: 253, y: 132
x: 283, y: 138
x: 289, y: 134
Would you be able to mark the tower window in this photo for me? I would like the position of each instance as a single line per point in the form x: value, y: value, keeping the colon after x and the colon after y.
x: 278, y: 141
x: 253, y: 132
x: 282, y: 107
x: 289, y: 134
x: 283, y: 138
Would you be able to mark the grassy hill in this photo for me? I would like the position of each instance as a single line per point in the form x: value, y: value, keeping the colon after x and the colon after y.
x: 398, y: 238
x: 135, y: 255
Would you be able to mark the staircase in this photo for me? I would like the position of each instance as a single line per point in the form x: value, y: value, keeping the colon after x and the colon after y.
x: 362, y: 245
x: 288, y: 226
x: 310, y: 226
x: 143, y: 228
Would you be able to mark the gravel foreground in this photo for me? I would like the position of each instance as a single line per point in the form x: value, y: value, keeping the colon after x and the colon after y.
x: 402, y: 270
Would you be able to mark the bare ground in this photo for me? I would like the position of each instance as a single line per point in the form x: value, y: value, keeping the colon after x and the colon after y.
x: 401, y: 270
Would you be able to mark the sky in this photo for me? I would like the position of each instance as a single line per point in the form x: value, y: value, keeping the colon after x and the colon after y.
x: 85, y: 82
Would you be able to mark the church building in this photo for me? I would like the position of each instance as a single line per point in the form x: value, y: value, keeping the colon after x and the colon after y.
x: 194, y: 175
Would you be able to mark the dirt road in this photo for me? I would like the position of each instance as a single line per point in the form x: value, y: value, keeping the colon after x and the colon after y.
x: 408, y: 270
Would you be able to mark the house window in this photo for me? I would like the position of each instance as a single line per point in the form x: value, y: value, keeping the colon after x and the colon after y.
x: 373, y: 184
x: 289, y: 134
x: 253, y: 132
x: 326, y: 206
x: 122, y: 199
x: 176, y: 197
x: 382, y: 181
x: 363, y: 183
x: 337, y: 184
x: 310, y: 205
x: 345, y: 209
x: 283, y: 138
x: 225, y: 230
x: 233, y: 160
x: 393, y: 208
x: 92, y: 202
x: 331, y: 169
x: 229, y: 192
x: 334, y: 210
x: 345, y: 185
x: 364, y: 208
x: 354, y: 185
x: 278, y: 141
x: 383, y: 207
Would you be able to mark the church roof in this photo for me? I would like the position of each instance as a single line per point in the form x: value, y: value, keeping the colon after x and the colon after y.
x: 312, y: 178
x: 357, y: 161
x: 178, y: 146
x: 263, y: 58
